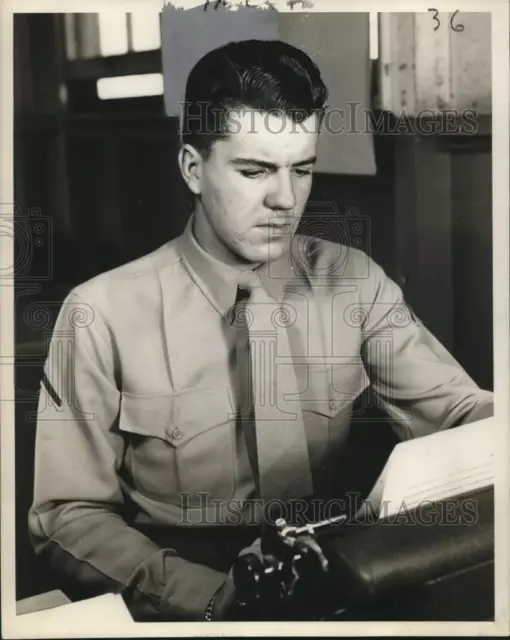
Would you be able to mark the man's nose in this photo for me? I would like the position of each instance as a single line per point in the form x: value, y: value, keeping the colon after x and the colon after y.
x: 281, y: 195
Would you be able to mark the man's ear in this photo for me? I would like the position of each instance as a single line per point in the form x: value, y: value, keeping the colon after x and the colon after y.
x: 190, y: 163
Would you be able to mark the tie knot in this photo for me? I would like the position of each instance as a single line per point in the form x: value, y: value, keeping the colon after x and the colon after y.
x: 249, y: 280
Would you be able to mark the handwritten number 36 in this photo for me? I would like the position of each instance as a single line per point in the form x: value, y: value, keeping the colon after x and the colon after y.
x: 455, y: 27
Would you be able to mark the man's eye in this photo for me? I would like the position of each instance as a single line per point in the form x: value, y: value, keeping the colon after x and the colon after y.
x: 252, y: 173
x: 302, y: 172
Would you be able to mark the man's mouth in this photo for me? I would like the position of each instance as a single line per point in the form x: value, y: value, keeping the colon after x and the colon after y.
x: 276, y: 228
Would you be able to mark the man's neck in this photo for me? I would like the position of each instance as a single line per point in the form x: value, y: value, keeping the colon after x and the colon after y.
x: 210, y: 243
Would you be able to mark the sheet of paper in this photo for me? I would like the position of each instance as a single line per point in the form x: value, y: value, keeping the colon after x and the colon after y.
x: 41, y: 602
x: 442, y: 465
x: 106, y: 607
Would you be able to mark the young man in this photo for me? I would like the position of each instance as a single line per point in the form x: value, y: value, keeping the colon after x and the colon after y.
x: 141, y: 449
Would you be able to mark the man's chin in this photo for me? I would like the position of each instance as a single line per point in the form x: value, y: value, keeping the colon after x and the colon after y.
x: 267, y: 253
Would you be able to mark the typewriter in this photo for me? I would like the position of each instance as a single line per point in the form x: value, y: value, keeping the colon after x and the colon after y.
x: 433, y: 564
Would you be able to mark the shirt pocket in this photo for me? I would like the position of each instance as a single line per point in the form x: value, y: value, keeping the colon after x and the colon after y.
x: 180, y: 445
x: 327, y: 417
x: 348, y: 382
x: 316, y: 419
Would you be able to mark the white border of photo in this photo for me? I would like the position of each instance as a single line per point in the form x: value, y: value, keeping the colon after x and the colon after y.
x: 55, y: 623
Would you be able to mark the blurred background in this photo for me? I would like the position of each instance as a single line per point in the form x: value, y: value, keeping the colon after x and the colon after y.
x: 97, y: 183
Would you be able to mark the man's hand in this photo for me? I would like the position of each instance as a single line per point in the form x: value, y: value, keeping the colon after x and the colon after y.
x: 225, y: 602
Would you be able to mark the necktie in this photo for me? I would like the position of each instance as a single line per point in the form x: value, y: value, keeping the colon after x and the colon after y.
x: 270, y: 409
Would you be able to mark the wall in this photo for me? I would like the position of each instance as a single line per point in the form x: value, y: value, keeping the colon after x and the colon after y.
x: 443, y: 240
x: 472, y: 263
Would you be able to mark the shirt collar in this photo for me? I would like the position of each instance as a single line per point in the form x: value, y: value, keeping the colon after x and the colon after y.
x: 218, y: 281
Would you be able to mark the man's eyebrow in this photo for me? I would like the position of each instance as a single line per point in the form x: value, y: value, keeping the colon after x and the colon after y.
x: 269, y: 165
x: 311, y: 160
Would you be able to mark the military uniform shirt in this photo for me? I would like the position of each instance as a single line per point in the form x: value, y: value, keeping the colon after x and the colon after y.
x: 137, y: 408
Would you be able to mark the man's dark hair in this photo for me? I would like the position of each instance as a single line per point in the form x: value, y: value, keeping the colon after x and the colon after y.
x: 263, y: 75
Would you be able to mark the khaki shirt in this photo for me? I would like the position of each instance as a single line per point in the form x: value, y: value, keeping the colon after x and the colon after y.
x: 137, y: 408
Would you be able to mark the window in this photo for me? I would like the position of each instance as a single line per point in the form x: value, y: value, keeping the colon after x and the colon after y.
x: 111, y: 33
x: 113, y: 56
x: 131, y: 86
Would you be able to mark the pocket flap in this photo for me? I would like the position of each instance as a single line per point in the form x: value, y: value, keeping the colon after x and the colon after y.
x: 198, y: 410
x: 177, y: 417
x: 146, y: 415
x: 332, y: 387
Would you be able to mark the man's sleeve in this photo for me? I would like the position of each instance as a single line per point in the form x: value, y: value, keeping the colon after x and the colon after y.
x: 76, y: 521
x: 421, y: 385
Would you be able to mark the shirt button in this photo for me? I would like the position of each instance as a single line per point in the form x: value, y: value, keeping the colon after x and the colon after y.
x: 177, y: 434
x: 333, y: 405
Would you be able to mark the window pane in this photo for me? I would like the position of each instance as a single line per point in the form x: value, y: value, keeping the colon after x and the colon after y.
x: 133, y: 86
x: 70, y: 36
x: 146, y: 30
x: 373, y: 20
x: 113, y: 35
x: 88, y: 41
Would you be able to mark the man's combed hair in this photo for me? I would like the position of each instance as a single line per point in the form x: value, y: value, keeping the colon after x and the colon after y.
x: 264, y: 75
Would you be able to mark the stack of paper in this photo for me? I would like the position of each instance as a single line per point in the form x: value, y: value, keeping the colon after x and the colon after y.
x: 443, y: 465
